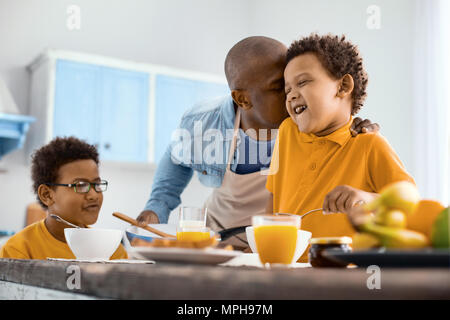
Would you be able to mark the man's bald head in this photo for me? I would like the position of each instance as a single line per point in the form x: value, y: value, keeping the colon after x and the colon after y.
x: 247, y: 55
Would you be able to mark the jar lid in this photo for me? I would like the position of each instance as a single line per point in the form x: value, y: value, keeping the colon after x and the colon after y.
x: 331, y: 240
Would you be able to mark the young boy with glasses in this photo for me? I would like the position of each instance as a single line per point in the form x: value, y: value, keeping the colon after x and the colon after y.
x: 67, y: 184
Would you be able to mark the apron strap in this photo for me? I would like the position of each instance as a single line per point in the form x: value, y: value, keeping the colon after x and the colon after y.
x: 237, y: 123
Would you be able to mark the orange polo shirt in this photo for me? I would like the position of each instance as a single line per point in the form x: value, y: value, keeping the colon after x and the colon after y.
x: 36, y: 242
x: 309, y: 167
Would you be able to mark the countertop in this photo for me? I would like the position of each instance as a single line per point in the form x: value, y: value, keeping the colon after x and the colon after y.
x: 211, y: 282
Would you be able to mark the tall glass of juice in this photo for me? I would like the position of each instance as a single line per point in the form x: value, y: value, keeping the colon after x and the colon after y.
x: 192, y: 224
x: 193, y: 234
x: 276, y: 238
x: 192, y: 217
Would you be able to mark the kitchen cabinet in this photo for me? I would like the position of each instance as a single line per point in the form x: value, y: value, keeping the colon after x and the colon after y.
x: 105, y: 106
x: 128, y: 110
x: 174, y: 95
x: 13, y: 130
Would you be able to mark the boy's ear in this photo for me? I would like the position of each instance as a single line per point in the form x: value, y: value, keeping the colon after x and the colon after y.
x: 346, y: 86
x: 46, y: 195
x: 241, y: 98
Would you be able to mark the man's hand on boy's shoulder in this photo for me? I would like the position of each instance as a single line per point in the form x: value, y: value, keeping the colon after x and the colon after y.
x: 363, y: 126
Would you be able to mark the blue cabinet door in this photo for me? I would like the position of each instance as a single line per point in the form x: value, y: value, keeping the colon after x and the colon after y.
x: 107, y: 107
x: 77, y: 106
x: 124, y: 126
x: 173, y: 97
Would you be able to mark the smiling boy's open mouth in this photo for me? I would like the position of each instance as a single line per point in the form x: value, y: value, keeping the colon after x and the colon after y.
x: 300, y: 109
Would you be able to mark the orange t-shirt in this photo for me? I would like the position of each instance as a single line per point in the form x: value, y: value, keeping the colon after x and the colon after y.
x: 309, y: 167
x: 36, y: 242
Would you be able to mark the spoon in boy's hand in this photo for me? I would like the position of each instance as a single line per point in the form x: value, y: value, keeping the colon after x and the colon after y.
x: 58, y: 218
x: 301, y: 216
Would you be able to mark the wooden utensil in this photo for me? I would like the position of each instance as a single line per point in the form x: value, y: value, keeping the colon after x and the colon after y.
x: 132, y: 221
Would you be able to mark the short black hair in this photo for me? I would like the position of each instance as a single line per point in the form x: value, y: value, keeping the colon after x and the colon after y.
x: 339, y: 57
x: 46, y: 161
x: 242, y: 57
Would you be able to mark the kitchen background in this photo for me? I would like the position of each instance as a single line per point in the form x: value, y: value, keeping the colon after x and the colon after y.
x: 402, y: 43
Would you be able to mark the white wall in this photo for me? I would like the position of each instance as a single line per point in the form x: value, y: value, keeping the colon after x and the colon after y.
x: 387, y: 52
x: 196, y: 35
x: 193, y: 35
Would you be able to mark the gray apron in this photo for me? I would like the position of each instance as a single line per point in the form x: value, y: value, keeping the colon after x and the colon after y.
x: 240, y: 197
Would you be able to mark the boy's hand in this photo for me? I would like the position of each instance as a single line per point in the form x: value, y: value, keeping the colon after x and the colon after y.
x: 363, y: 126
x: 146, y: 217
x: 358, y: 216
x: 344, y: 198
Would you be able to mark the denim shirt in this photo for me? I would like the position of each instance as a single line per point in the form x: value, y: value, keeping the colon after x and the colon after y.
x: 207, y: 125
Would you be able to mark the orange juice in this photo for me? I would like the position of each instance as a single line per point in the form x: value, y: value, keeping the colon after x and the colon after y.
x: 276, y: 243
x: 193, y: 235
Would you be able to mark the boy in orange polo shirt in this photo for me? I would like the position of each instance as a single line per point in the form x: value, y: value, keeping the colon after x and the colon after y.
x: 67, y: 183
x: 316, y: 163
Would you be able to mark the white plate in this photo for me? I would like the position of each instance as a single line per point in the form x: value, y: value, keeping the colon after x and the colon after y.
x: 115, y: 261
x: 200, y: 256
x: 252, y: 260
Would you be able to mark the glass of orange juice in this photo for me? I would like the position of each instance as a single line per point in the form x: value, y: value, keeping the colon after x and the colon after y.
x: 192, y: 217
x: 193, y: 234
x: 192, y: 224
x: 276, y: 238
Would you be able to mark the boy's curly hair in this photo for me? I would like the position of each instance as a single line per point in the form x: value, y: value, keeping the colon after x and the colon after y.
x: 46, y: 161
x: 339, y: 57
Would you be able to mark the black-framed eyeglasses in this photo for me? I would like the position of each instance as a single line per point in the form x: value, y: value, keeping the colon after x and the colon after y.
x: 84, y: 186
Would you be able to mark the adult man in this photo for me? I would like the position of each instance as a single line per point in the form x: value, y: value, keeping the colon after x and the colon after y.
x: 254, y: 70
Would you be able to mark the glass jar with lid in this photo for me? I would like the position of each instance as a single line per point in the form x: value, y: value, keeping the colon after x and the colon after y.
x: 318, y: 245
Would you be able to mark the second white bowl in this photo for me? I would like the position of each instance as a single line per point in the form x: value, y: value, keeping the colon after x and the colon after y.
x: 92, y: 243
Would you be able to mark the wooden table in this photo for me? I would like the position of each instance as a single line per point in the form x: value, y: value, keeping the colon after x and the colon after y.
x: 35, y: 279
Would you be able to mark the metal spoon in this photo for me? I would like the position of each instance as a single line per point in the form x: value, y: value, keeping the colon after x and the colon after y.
x: 227, y: 233
x: 302, y: 216
x: 58, y: 218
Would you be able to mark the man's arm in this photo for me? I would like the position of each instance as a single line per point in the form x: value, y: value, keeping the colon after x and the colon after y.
x: 169, y: 182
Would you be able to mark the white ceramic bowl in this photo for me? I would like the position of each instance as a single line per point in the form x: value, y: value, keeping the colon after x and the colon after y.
x: 302, y: 241
x: 91, y: 243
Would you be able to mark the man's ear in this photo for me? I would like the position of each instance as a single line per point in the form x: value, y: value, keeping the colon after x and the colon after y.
x: 346, y: 86
x: 241, y: 98
x: 46, y: 195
